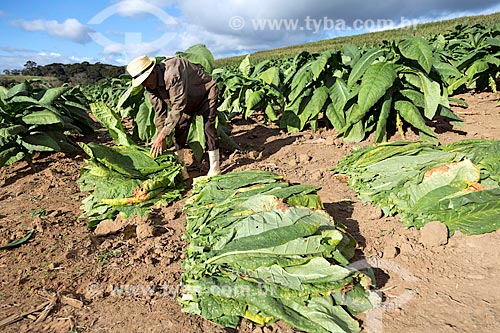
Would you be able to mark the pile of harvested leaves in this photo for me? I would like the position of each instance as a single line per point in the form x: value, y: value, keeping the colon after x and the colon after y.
x: 125, y: 179
x: 263, y: 249
x: 457, y: 184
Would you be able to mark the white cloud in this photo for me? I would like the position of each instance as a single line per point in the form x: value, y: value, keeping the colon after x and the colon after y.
x: 210, y: 22
x: 50, y: 54
x: 70, y: 29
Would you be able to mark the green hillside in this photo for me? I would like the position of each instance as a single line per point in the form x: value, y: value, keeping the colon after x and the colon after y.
x: 368, y: 38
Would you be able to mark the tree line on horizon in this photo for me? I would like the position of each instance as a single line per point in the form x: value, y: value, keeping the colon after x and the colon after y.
x: 83, y: 73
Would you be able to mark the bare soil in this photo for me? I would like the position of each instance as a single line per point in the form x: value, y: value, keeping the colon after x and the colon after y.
x: 68, y: 279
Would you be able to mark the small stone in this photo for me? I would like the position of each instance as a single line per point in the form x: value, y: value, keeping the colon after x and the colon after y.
x: 18, y: 235
x: 71, y: 254
x: 304, y: 158
x: 107, y: 227
x: 76, y: 303
x: 257, y: 330
x: 317, y: 175
x: 375, y: 213
x: 406, y: 249
x: 54, y: 214
x: 390, y: 252
x: 144, y: 231
x: 330, y: 141
x: 434, y: 234
x: 52, y: 266
x: 93, y: 290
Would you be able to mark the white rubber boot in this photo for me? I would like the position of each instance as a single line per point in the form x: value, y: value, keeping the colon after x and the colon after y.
x: 180, y: 158
x: 214, y: 158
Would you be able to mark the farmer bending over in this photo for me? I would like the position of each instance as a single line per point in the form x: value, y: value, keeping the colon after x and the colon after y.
x: 188, y: 90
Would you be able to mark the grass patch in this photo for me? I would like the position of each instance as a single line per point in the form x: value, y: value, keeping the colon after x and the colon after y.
x: 373, y: 38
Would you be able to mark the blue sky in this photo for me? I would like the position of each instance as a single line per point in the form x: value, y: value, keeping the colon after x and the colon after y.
x: 115, y: 31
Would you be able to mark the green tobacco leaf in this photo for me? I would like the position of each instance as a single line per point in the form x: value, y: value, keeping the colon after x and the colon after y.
x: 20, y: 89
x: 290, y: 121
x: 355, y: 133
x: 112, y: 122
x: 275, y: 308
x: 266, y: 239
x: 312, y: 201
x: 457, y: 83
x: 270, y: 76
x: 377, y: 79
x: 330, y: 316
x: 52, y: 94
x: 130, y: 92
x: 317, y: 269
x: 493, y: 60
x: 493, y: 41
x: 352, y: 52
x: 245, y: 66
x: 270, y: 113
x: 448, y: 113
x: 416, y: 97
x: 145, y: 121
x: 318, y: 65
x: 196, y: 137
x: 19, y: 241
x: 44, y: 117
x: 259, y: 67
x: 339, y: 94
x: 131, y: 161
x: 381, y: 129
x: 477, y: 67
x: 432, y: 96
x: 3, y: 93
x: 27, y: 101
x: 12, y: 131
x: 412, y: 115
x: 252, y: 99
x: 417, y: 48
x: 10, y: 155
x: 473, y: 219
x: 362, y: 65
x: 199, y: 54
x: 315, y: 105
x: 302, y: 78
x: 40, y: 142
x: 446, y: 70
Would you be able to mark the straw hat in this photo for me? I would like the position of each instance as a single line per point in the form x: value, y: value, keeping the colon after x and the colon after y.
x: 140, y: 68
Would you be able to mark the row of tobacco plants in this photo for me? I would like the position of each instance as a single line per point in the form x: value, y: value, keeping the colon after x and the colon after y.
x: 34, y: 118
x: 363, y: 90
x: 356, y: 90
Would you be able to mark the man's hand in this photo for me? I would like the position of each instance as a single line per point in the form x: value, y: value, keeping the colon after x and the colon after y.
x: 158, y: 145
